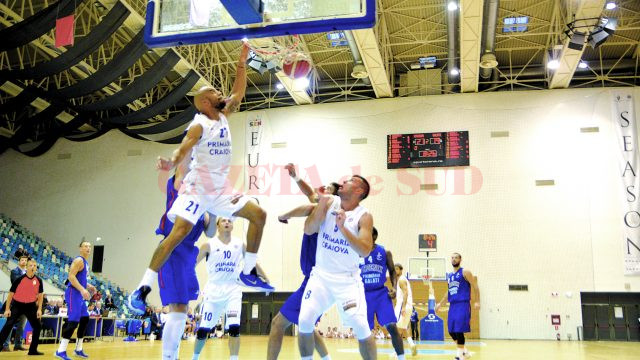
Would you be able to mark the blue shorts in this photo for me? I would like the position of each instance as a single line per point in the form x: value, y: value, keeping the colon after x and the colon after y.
x: 378, y: 303
x: 76, y: 306
x: 459, y: 317
x: 291, y: 307
x: 177, y: 277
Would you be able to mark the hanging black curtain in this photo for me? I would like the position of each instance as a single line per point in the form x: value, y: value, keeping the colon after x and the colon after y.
x: 36, y: 25
x: 137, y: 87
x: 107, y: 73
x: 173, y: 122
x: 175, y: 95
x: 18, y: 103
x: 83, y: 48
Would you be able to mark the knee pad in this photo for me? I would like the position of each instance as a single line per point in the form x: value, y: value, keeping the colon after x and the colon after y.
x: 68, y: 329
x: 454, y: 336
x: 234, y: 330
x: 202, y: 333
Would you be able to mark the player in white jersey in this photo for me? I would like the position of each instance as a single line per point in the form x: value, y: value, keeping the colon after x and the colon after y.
x: 205, y: 188
x: 344, y: 230
x: 222, y: 294
x: 404, y: 307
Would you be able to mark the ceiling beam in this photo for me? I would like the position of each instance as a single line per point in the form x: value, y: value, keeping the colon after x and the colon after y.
x: 570, y: 58
x: 367, y: 42
x: 470, y: 42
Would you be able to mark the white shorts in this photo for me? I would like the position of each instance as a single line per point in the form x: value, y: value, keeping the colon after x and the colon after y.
x: 191, y: 207
x: 403, y: 320
x: 230, y: 305
x: 345, y: 290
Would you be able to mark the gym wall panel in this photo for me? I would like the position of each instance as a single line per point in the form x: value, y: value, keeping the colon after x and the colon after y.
x: 564, y: 238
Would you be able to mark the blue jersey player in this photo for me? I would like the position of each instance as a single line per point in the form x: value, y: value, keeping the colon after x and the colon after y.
x: 78, y: 291
x: 373, y: 270
x: 290, y: 310
x: 460, y: 282
x: 177, y: 277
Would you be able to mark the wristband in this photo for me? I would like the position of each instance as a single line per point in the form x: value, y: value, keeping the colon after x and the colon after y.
x: 296, y: 178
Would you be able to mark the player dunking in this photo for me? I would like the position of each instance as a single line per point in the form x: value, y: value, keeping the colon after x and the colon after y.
x: 223, y: 295
x: 208, y: 142
x: 344, y: 235
x: 78, y: 290
x: 460, y: 282
x: 373, y: 270
x: 290, y: 310
x: 404, y: 307
x: 177, y: 277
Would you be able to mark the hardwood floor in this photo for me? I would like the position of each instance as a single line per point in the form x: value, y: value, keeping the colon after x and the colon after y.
x: 255, y: 347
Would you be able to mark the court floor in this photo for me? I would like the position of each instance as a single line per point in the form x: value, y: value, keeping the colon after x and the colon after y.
x: 255, y: 347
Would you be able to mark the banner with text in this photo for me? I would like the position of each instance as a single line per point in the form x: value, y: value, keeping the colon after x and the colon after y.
x: 629, y: 160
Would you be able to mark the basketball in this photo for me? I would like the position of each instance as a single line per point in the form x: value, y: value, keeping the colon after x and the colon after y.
x: 297, y: 68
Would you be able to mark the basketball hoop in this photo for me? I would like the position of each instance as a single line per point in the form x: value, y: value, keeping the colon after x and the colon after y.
x: 426, y: 279
x: 274, y: 54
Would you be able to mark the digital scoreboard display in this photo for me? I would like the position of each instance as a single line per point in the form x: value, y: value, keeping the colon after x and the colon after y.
x: 428, y: 150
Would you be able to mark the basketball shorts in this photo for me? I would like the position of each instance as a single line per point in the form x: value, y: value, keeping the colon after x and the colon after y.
x: 379, y: 304
x: 212, y: 309
x: 177, y: 277
x: 76, y: 306
x: 191, y: 207
x: 345, y: 290
x: 459, y: 317
x: 403, y: 320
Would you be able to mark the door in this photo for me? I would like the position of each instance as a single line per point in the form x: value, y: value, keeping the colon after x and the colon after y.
x: 619, y: 321
x: 633, y: 321
x: 589, y: 322
x: 602, y: 319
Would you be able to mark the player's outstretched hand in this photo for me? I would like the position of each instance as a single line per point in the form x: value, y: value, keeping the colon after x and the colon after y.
x: 164, y: 164
x: 291, y: 169
x: 283, y: 219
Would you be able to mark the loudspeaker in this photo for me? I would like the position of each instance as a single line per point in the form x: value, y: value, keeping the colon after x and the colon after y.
x: 98, y: 254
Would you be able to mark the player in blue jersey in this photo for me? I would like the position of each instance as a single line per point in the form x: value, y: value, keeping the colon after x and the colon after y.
x: 290, y: 310
x: 177, y: 277
x: 373, y: 270
x: 461, y: 281
x: 78, y: 291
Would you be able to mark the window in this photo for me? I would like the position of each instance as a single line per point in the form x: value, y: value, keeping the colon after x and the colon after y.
x: 515, y: 24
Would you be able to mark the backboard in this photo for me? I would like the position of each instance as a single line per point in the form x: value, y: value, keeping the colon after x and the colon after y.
x: 184, y: 22
x: 435, y: 267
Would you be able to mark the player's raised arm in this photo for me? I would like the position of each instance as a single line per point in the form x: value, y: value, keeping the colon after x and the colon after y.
x: 306, y: 189
x: 363, y: 242
x: 313, y: 222
x: 300, y: 211
x: 240, y: 84
x: 188, y: 142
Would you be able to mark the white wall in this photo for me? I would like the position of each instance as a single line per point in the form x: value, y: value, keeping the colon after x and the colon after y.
x: 562, y: 238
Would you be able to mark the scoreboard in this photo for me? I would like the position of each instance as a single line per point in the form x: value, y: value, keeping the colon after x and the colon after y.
x: 428, y: 150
